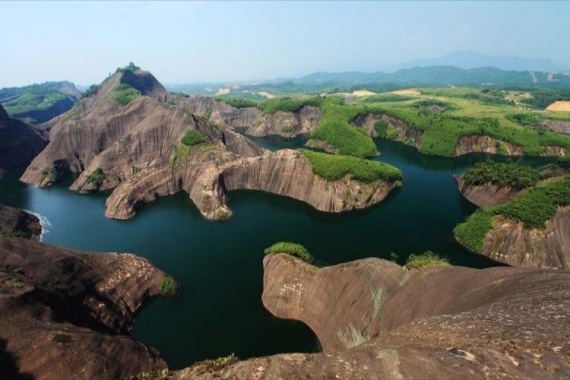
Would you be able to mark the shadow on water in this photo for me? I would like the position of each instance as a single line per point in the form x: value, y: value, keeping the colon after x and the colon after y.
x: 219, y: 265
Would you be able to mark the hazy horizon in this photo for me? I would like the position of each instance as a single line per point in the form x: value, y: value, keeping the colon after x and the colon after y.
x: 197, y: 42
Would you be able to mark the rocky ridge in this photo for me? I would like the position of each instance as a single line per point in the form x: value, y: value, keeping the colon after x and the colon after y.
x: 136, y: 150
x: 378, y: 320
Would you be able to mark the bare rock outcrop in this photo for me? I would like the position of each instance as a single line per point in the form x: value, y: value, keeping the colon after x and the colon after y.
x: 285, y: 172
x: 377, y: 320
x: 510, y: 242
x: 486, y: 195
x: 19, y: 142
x: 16, y: 222
x: 253, y: 121
x: 560, y: 126
x: 485, y: 144
x: 65, y: 313
x: 411, y: 136
x: 137, y: 151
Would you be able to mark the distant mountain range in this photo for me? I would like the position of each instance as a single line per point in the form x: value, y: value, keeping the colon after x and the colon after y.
x: 472, y: 60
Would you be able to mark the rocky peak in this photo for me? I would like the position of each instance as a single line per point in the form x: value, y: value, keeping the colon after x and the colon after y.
x: 144, y: 82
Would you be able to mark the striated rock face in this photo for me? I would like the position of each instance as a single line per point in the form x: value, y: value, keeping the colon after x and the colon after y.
x: 19, y: 143
x: 65, y: 313
x: 285, y: 172
x: 511, y: 243
x: 16, y: 222
x: 377, y: 320
x: 253, y: 121
x: 412, y: 136
x: 485, y: 195
x: 485, y: 144
x: 137, y: 151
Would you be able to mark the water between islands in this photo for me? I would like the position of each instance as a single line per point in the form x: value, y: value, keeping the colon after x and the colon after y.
x: 219, y: 265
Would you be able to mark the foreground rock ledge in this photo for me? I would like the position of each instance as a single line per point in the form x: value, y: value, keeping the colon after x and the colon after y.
x: 65, y: 313
x: 377, y: 320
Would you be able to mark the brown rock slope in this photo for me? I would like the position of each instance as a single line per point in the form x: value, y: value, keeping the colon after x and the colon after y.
x: 15, y: 222
x: 377, y: 320
x: 509, y: 242
x: 486, y: 195
x: 65, y: 313
x: 136, y: 150
x: 19, y: 143
x: 253, y: 121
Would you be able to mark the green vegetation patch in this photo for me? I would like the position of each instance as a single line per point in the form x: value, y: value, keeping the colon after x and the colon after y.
x: 334, y: 167
x: 502, y: 174
x: 287, y: 104
x: 336, y: 130
x: 215, y: 365
x: 424, y: 260
x: 168, y: 287
x: 238, y: 102
x: 292, y: 249
x: 533, y: 207
x: 124, y: 93
x: 97, y: 177
x: 193, y: 137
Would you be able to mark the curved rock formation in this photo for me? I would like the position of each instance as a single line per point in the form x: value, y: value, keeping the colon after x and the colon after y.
x: 19, y: 143
x: 65, y: 313
x: 285, y: 172
x: 16, y: 222
x: 511, y: 243
x: 485, y: 195
x: 137, y: 151
x: 411, y: 136
x: 377, y: 320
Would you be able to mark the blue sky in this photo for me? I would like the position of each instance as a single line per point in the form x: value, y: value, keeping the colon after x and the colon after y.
x: 184, y: 42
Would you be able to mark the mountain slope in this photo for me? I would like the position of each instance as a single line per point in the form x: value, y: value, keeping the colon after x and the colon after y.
x: 39, y: 102
x: 19, y: 143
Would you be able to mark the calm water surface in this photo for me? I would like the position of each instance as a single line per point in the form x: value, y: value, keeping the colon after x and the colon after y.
x: 219, y: 265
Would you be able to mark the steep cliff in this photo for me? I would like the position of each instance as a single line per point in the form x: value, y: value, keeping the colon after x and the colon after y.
x: 486, y: 144
x: 19, y: 143
x: 512, y: 243
x: 65, y: 313
x: 138, y: 150
x: 285, y: 172
x: 487, y: 194
x: 377, y: 320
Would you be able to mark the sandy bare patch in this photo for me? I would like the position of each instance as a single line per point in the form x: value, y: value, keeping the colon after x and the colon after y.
x: 223, y: 91
x: 361, y: 93
x: 408, y: 92
x: 560, y: 105
x: 266, y: 94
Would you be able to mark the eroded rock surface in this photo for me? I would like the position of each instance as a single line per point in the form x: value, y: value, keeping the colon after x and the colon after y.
x: 377, y: 320
x: 486, y: 144
x: 19, y: 142
x: 510, y: 242
x: 65, y: 313
x: 16, y: 222
x: 136, y: 151
x: 487, y: 194
x: 253, y: 121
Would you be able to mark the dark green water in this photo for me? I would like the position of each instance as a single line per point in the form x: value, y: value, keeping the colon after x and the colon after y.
x: 219, y: 265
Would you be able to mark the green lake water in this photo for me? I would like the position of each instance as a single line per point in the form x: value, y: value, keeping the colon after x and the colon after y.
x: 218, y: 310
